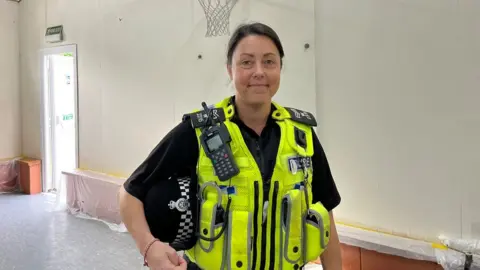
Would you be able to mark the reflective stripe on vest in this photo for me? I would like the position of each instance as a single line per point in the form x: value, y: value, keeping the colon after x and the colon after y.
x: 296, y: 231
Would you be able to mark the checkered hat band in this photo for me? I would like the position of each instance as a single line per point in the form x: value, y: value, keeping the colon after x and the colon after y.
x: 186, y: 225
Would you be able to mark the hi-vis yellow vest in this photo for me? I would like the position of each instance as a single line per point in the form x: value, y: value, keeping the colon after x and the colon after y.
x: 296, y: 230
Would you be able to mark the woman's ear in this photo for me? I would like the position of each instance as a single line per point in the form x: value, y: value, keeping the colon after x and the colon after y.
x: 229, y: 70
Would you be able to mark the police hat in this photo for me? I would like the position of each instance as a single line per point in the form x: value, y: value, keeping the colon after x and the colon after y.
x: 171, y: 211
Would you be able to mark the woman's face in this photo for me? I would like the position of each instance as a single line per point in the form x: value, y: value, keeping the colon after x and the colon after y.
x: 255, y: 70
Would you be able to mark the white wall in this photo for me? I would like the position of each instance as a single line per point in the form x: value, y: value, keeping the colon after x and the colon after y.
x: 398, y: 101
x: 397, y: 93
x: 139, y: 72
x: 10, y: 120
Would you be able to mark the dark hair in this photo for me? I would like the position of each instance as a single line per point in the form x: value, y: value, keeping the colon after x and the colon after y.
x: 245, y: 30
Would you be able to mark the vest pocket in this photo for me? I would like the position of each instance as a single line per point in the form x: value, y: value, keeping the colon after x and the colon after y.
x: 239, y: 240
x: 317, y: 231
x: 210, y: 249
x: 291, y: 229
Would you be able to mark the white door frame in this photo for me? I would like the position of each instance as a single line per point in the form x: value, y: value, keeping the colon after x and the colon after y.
x: 72, y: 48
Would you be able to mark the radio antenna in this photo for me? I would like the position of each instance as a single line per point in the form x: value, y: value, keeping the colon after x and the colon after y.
x: 208, y: 111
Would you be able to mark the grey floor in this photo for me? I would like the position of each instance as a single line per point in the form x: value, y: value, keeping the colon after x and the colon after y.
x: 32, y: 237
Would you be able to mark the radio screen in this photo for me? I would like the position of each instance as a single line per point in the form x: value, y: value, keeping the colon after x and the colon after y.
x: 214, y: 143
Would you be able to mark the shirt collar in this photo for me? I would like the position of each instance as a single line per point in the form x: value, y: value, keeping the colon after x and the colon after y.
x: 236, y: 119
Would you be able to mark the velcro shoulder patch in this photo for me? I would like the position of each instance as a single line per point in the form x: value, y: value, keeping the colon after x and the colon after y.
x: 199, y: 119
x: 302, y: 117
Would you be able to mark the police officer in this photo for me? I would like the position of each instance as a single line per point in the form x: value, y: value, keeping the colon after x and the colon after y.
x: 265, y: 204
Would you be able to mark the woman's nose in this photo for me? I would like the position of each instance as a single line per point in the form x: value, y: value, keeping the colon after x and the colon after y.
x: 259, y: 71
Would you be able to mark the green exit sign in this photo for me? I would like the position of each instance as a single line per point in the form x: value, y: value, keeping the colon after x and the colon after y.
x: 67, y: 117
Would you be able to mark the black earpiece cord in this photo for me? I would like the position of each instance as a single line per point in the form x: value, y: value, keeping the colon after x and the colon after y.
x: 224, y: 226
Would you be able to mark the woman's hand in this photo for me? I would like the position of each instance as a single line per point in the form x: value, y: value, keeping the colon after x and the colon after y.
x: 161, y: 256
x: 332, y: 256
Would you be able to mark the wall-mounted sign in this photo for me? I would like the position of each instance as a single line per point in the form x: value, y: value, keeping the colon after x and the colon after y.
x: 54, y: 34
x: 67, y: 117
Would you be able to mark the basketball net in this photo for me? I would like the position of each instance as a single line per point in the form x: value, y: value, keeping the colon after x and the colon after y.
x: 217, y: 13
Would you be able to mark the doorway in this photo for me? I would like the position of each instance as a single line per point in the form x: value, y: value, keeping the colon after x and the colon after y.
x: 59, y: 114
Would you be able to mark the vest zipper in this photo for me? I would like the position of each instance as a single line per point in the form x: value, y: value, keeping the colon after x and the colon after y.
x: 255, y: 223
x: 260, y: 156
x: 273, y: 225
x: 265, y: 189
x: 264, y: 245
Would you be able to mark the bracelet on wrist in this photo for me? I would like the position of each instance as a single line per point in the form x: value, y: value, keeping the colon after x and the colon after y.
x: 145, y: 263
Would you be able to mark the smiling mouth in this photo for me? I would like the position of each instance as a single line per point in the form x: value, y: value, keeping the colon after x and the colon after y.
x: 258, y: 85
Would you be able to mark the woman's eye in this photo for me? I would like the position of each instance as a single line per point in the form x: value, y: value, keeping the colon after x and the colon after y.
x: 246, y: 62
x: 269, y: 62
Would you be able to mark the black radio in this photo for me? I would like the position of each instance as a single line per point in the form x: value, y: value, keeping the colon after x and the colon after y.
x: 214, y: 139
